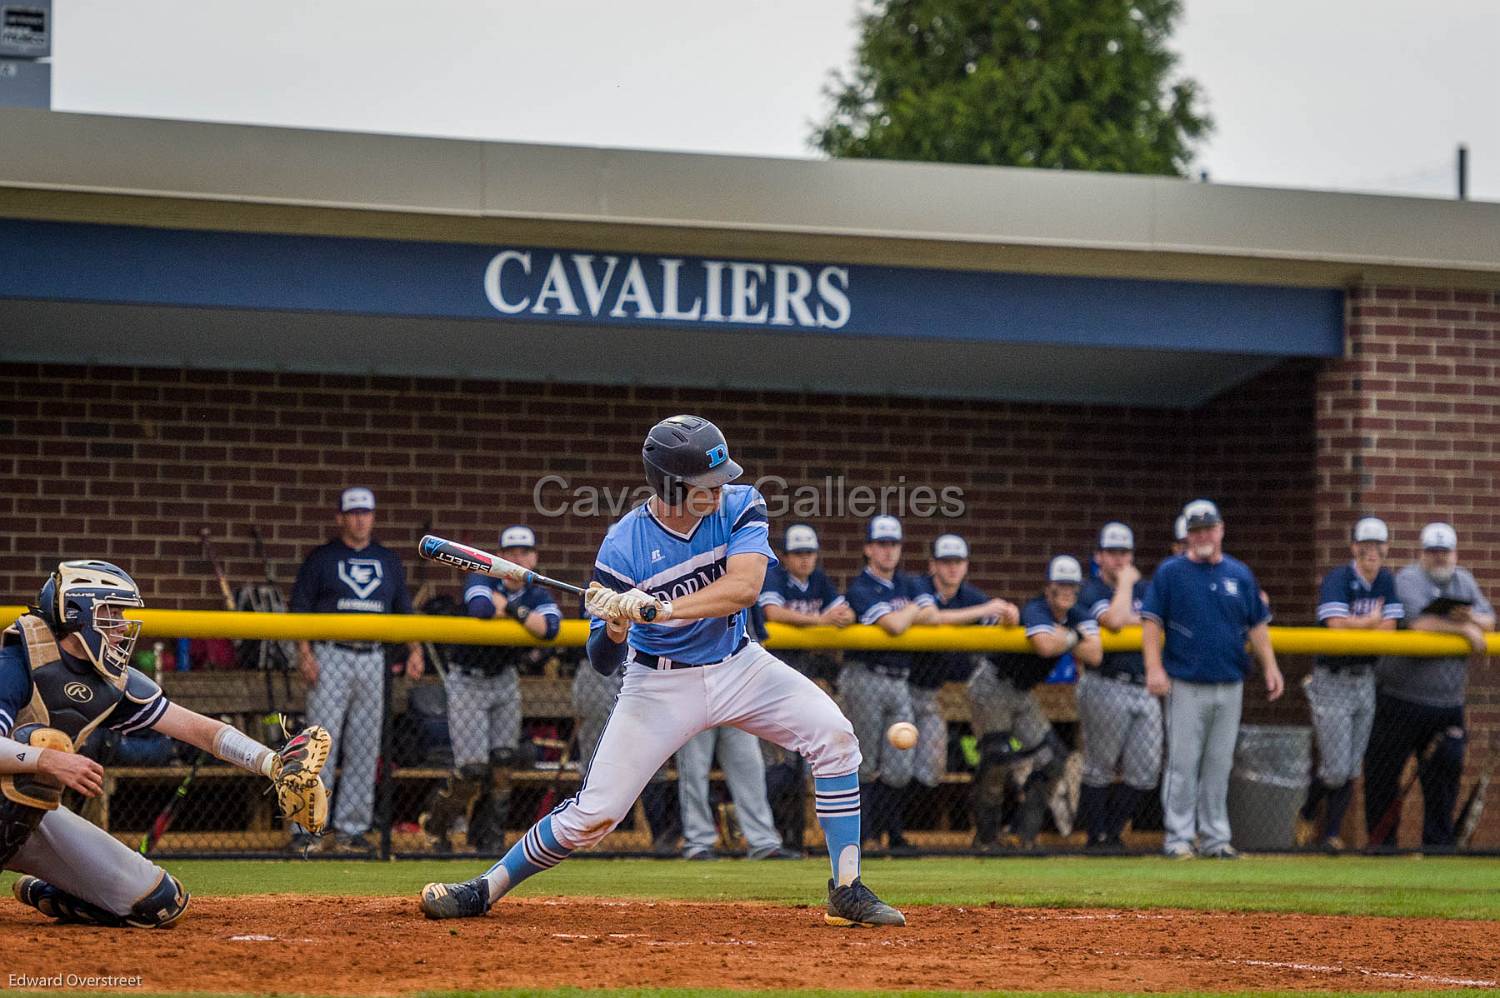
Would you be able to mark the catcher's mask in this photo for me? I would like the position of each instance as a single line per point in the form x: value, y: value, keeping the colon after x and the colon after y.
x: 87, y: 598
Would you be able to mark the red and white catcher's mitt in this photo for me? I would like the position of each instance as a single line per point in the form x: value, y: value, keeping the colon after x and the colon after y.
x: 300, y: 793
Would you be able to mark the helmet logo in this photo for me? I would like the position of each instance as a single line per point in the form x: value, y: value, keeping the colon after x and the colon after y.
x: 717, y: 455
x: 79, y: 692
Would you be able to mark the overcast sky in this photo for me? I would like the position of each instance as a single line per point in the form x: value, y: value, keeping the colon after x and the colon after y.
x: 1341, y: 94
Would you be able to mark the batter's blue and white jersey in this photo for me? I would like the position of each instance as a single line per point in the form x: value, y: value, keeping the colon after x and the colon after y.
x: 813, y: 596
x: 871, y: 597
x: 1346, y: 594
x: 640, y: 553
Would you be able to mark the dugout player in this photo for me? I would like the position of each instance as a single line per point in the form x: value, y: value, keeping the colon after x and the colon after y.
x: 797, y: 593
x: 959, y: 603
x: 673, y: 580
x: 1358, y: 595
x: 1122, y: 725
x: 484, y: 702
x: 873, y: 685
x: 1419, y: 702
x: 1014, y: 733
x: 352, y: 573
x: 64, y: 672
x: 1206, y: 605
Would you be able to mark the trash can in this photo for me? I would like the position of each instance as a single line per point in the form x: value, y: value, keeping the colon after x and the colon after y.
x: 1267, y: 786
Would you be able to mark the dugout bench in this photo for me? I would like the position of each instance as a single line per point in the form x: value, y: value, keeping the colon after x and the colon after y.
x: 133, y: 794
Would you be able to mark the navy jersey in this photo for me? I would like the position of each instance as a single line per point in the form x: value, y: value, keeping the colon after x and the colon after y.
x: 1095, y: 599
x: 1345, y: 594
x: 871, y: 597
x: 1207, y: 612
x: 640, y: 552
x: 15, y: 694
x: 335, y: 578
x: 1026, y: 669
x: 932, y: 669
x: 813, y: 596
x: 479, y: 601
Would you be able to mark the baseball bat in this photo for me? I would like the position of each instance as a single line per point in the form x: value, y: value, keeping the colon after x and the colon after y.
x: 1392, y: 815
x: 1473, y: 810
x: 213, y: 562
x: 164, y: 819
x: 474, y: 560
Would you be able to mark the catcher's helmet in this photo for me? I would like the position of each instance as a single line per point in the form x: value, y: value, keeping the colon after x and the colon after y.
x: 686, y: 450
x: 73, y: 601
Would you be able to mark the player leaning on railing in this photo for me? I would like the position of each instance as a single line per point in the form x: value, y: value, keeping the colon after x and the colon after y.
x: 691, y: 559
x: 65, y: 671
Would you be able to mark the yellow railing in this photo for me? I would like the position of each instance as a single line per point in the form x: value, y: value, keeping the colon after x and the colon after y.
x: 464, y: 630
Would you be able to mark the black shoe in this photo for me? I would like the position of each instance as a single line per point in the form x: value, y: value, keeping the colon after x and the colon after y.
x: 469, y: 899
x: 856, y: 904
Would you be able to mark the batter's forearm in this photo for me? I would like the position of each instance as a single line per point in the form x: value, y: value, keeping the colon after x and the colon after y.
x: 719, y: 598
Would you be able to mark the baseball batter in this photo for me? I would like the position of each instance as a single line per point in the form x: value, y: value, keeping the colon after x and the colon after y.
x: 64, y: 672
x: 691, y: 560
x: 1122, y: 723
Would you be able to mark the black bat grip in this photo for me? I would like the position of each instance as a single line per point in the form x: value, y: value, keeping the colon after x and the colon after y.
x: 648, y: 614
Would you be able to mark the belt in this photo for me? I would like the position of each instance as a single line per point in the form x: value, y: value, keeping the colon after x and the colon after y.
x: 360, y: 646
x: 889, y: 671
x: 1124, y: 676
x: 663, y: 663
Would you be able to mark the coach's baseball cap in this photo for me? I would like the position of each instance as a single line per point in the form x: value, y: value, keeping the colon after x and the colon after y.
x: 1371, y: 528
x: 883, y: 528
x: 1440, y: 536
x: 1200, y: 513
x: 950, y: 546
x: 356, y: 498
x: 1065, y: 568
x: 1116, y: 537
x: 1179, y: 528
x: 800, y: 537
x: 517, y: 537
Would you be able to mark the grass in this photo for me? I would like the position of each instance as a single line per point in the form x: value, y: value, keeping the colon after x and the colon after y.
x: 1447, y: 887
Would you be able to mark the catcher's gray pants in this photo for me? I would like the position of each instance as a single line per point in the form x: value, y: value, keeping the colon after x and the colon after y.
x: 1343, y: 709
x: 1122, y: 731
x: 81, y: 858
x: 931, y: 753
x: 484, y: 713
x: 744, y: 773
x: 873, y: 702
x: 1203, y: 721
x: 346, y: 701
x: 997, y: 706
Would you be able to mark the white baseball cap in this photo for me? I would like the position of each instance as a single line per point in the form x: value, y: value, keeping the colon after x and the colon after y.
x: 1065, y: 568
x: 356, y: 498
x: 950, y: 546
x: 517, y: 537
x: 1116, y: 537
x: 1179, y: 528
x: 1201, y: 513
x: 1439, y: 535
x: 1371, y: 528
x: 800, y: 537
x: 883, y: 528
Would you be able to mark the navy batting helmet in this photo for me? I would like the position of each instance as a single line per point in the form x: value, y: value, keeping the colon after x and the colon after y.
x: 686, y: 450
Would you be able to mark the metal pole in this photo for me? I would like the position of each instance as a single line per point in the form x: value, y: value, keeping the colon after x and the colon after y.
x: 1463, y: 172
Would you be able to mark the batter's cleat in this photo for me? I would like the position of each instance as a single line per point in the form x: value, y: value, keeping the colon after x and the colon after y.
x: 856, y: 904
x: 469, y: 899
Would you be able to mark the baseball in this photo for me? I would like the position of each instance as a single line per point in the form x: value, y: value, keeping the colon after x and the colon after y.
x: 902, y: 734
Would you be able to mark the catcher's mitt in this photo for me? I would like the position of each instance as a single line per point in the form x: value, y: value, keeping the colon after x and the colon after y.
x: 300, y: 793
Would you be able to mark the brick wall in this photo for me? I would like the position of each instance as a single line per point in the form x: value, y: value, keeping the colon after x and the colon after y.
x: 130, y: 464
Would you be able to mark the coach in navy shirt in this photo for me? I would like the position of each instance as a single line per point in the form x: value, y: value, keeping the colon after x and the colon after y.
x: 1207, y: 605
x: 350, y: 574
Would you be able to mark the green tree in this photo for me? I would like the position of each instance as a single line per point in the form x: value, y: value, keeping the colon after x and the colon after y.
x: 1066, y: 84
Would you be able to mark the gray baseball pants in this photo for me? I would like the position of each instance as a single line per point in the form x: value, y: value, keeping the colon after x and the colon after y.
x: 81, y: 858
x: 1203, y: 721
x: 484, y: 713
x: 744, y: 772
x: 346, y: 701
x: 1122, y: 730
x: 873, y: 702
x: 1343, y: 710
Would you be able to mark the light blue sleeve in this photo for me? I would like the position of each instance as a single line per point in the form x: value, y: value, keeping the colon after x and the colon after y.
x: 749, y: 525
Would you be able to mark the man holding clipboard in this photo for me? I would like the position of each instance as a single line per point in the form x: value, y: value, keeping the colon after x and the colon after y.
x: 1419, y: 703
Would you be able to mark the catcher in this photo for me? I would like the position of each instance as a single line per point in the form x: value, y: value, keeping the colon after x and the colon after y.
x: 64, y: 671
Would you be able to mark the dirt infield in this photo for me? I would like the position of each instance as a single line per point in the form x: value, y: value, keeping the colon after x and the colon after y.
x: 383, y: 946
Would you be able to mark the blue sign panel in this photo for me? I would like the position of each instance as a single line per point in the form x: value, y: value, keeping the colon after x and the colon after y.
x: 99, y: 263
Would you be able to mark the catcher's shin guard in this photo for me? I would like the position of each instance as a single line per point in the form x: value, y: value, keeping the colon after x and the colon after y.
x: 160, y: 908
